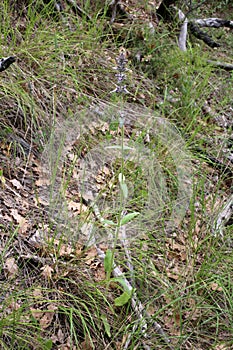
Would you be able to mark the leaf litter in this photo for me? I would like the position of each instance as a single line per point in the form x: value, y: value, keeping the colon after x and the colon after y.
x: 20, y: 197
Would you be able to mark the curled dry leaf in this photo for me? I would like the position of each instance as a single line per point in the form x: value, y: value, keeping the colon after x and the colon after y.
x: 47, y: 272
x: 91, y: 254
x: 21, y: 221
x: 16, y: 184
x: 65, y: 250
x: 58, y: 338
x: 10, y: 267
x: 215, y: 286
x: 100, y: 274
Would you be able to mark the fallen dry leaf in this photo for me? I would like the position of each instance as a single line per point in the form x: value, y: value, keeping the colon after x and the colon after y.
x: 14, y: 306
x: 221, y: 347
x: 37, y: 293
x: 40, y: 200
x: 47, y: 318
x: 42, y: 182
x: 18, y: 218
x: 10, y: 267
x: 100, y: 274
x: 90, y: 255
x: 16, y: 184
x: 173, y: 273
x: 74, y: 206
x: 215, y: 286
x: 78, y: 249
x: 68, y: 345
x: 36, y: 239
x: 21, y: 221
x: 65, y: 250
x: 23, y: 227
x: 47, y: 271
x: 58, y: 338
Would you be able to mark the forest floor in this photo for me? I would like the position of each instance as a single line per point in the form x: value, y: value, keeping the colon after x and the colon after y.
x: 116, y: 207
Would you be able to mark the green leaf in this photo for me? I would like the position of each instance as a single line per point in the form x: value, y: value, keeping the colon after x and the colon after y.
x: 109, y: 222
x: 128, y: 218
x: 122, y: 281
x: 48, y: 344
x: 120, y: 147
x: 113, y: 126
x: 124, y: 189
x: 108, y: 261
x: 123, y: 186
x: 106, y: 325
x: 121, y: 178
x: 122, y: 299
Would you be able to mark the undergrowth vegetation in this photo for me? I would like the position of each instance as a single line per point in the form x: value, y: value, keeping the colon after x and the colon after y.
x: 92, y: 179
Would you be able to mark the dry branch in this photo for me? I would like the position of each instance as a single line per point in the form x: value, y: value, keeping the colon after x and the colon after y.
x: 199, y: 34
x: 213, y: 22
x: 194, y: 26
x: 183, y: 32
x: 6, y: 62
x: 113, y: 5
x: 224, y: 216
x: 223, y: 65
